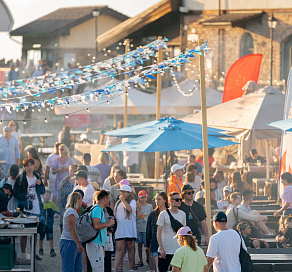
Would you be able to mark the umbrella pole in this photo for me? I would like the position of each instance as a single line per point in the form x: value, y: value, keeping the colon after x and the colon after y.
x: 158, y: 102
x: 166, y: 173
x: 127, y: 49
x: 268, y: 161
x: 205, y: 141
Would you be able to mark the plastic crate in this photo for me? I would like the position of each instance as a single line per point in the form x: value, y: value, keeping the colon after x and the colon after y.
x: 6, y: 257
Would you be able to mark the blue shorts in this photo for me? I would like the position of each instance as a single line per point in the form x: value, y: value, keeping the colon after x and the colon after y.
x: 154, y: 254
x: 141, y: 238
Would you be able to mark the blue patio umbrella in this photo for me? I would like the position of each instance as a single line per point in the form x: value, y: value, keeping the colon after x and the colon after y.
x: 151, y: 127
x: 170, y: 138
x: 282, y: 124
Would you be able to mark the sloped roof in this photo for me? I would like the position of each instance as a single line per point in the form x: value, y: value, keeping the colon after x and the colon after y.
x: 231, y: 18
x: 63, y: 18
x: 135, y: 23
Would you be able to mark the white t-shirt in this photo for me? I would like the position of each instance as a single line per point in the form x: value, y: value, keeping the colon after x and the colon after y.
x: 287, y: 196
x: 221, y: 185
x: 129, y: 158
x: 49, y: 163
x: 31, y: 190
x: 224, y: 247
x: 94, y: 174
x: 170, y: 244
x: 126, y: 227
x: 11, y: 203
x: 88, y: 193
x: 107, y: 185
x: 222, y: 205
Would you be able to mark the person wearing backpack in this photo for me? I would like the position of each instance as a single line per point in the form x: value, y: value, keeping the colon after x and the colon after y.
x: 94, y: 249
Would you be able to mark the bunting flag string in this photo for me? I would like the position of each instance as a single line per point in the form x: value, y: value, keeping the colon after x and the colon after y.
x: 50, y: 83
x: 106, y: 92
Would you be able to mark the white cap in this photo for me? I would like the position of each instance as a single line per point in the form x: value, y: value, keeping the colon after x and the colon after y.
x: 176, y: 167
x: 126, y: 188
x: 227, y: 188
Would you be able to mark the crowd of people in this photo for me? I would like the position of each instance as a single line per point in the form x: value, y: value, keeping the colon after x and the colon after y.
x: 124, y: 220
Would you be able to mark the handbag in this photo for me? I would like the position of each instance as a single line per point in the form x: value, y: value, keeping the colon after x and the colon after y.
x: 176, y: 225
x: 244, y: 258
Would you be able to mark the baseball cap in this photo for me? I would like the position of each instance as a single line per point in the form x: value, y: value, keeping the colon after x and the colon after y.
x: 83, y: 168
x: 126, y: 188
x: 176, y: 167
x: 220, y: 217
x: 142, y: 193
x: 227, y: 188
x: 6, y: 128
x: 187, y: 187
x: 124, y: 182
x: 183, y: 231
x: 80, y: 174
x: 14, y: 170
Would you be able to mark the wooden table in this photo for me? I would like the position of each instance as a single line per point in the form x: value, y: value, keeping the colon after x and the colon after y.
x: 29, y: 232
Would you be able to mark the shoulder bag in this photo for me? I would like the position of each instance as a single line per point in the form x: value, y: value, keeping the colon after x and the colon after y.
x: 244, y: 258
x: 175, y: 224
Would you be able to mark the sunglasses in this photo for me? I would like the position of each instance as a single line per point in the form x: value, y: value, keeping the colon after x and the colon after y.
x: 190, y: 193
x: 177, y: 199
x: 13, y: 125
x: 61, y: 149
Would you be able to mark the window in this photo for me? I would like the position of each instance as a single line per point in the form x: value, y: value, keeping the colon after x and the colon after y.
x: 246, y: 45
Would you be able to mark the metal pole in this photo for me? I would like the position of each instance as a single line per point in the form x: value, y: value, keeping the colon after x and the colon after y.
x: 127, y: 49
x: 271, y: 76
x: 158, y: 102
x: 268, y: 160
x: 96, y: 43
x: 205, y: 141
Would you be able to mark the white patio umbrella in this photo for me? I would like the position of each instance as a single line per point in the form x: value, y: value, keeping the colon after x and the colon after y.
x: 138, y: 103
x: 247, y: 116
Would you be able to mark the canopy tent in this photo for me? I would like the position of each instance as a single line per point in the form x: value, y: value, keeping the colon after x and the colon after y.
x: 247, y: 117
x: 6, y: 19
x: 138, y: 103
x: 186, y: 104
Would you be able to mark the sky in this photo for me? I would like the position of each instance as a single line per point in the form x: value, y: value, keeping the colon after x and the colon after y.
x: 25, y: 11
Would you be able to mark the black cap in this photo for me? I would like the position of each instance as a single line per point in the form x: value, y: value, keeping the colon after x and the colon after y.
x: 7, y: 186
x: 220, y: 217
x: 14, y: 170
x: 80, y: 174
x: 83, y: 168
x: 187, y: 187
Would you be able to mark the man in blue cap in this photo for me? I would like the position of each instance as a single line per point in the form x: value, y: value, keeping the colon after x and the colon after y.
x: 224, y: 246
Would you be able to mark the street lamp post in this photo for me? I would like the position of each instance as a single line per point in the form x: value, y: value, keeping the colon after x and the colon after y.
x: 95, y: 14
x: 272, y: 22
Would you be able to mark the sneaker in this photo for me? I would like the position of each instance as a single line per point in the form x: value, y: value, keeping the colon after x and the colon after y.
x: 52, y: 253
x: 38, y: 258
x: 41, y: 252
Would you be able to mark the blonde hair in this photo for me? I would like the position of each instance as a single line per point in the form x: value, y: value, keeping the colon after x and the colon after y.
x: 72, y: 201
x: 66, y: 150
x: 103, y: 158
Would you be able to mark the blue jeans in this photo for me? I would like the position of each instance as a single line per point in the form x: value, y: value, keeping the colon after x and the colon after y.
x: 71, y: 258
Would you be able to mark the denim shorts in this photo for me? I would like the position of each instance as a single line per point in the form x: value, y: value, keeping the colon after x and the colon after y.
x: 141, y: 238
x: 154, y: 254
